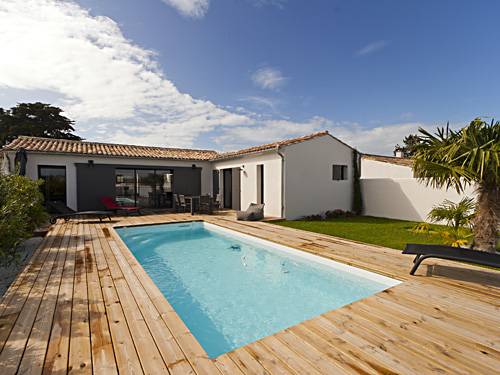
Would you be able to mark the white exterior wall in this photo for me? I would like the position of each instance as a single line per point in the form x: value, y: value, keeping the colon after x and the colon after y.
x: 249, y: 182
x: 309, y: 185
x: 378, y: 169
x: 390, y: 191
x: 36, y: 159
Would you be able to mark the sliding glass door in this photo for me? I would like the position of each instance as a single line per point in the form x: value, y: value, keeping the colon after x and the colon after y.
x: 147, y: 188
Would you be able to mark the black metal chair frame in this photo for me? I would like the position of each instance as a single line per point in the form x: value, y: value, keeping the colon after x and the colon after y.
x: 423, y: 252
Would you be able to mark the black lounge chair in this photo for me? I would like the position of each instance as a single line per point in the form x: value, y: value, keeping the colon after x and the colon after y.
x: 66, y: 213
x: 423, y: 252
x: 254, y: 212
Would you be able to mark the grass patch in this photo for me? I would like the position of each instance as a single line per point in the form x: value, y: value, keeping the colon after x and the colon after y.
x: 373, y: 230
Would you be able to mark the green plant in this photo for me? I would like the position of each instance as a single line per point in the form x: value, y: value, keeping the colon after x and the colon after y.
x: 357, y: 198
x: 335, y: 213
x: 421, y: 228
x: 315, y: 217
x: 458, y: 237
x: 470, y: 156
x: 454, y: 214
x: 21, y: 212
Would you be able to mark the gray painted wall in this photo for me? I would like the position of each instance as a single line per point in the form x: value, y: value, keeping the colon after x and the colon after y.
x: 98, y: 180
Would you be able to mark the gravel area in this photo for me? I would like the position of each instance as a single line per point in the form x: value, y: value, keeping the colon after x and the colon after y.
x: 9, y: 273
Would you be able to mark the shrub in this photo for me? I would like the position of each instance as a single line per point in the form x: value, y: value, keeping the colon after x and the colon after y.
x: 335, y: 213
x: 21, y: 212
x: 316, y: 217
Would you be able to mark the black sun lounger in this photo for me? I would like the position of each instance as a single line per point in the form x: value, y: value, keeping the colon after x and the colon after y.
x: 423, y: 252
x: 99, y: 214
x: 66, y: 213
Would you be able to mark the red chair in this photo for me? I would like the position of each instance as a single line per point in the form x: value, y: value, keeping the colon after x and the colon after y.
x: 111, y: 205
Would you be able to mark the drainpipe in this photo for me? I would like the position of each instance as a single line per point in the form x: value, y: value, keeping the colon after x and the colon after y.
x: 282, y: 180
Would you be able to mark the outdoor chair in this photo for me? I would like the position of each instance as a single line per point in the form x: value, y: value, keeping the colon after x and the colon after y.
x: 218, y: 202
x: 423, y: 252
x: 111, y: 205
x: 206, y: 205
x: 181, y: 204
x: 66, y: 213
x: 254, y: 212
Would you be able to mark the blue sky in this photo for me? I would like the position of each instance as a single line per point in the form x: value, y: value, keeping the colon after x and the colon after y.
x: 225, y: 74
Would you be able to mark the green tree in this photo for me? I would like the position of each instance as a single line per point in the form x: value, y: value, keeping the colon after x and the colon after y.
x: 470, y: 156
x: 21, y: 212
x: 35, y: 119
x: 410, y: 143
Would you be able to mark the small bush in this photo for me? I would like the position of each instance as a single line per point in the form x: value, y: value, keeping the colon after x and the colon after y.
x: 316, y: 217
x: 21, y: 212
x: 335, y: 213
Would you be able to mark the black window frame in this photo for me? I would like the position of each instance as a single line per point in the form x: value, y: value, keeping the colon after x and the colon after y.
x: 343, y: 172
x: 43, y: 188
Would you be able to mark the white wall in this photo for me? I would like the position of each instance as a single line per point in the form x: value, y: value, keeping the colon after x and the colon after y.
x: 378, y: 169
x: 35, y: 159
x: 249, y: 182
x: 309, y: 186
x: 386, y: 194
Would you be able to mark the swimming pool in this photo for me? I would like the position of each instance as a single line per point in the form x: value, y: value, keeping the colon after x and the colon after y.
x: 231, y: 289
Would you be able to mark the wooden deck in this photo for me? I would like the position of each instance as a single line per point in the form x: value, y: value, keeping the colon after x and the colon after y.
x: 83, y: 304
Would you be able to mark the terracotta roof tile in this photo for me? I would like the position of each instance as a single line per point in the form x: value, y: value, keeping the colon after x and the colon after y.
x: 270, y: 146
x: 64, y: 146
x: 35, y: 144
x: 389, y: 159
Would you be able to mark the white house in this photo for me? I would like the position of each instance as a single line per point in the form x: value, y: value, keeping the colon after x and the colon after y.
x: 390, y: 190
x: 295, y: 177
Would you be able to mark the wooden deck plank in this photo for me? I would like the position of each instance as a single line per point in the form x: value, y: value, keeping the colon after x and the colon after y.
x: 150, y: 357
x: 103, y: 358
x: 296, y: 362
x: 34, y: 357
x: 326, y: 361
x: 18, y: 297
x: 56, y: 359
x: 84, y: 299
x: 226, y: 365
x: 80, y: 352
x: 127, y: 360
x: 25, y: 272
x: 14, y: 347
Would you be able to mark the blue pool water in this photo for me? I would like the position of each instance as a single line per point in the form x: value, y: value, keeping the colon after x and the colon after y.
x: 231, y: 290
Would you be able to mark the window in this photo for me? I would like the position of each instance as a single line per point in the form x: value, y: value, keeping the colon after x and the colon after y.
x: 54, y: 182
x: 339, y: 172
x: 144, y: 187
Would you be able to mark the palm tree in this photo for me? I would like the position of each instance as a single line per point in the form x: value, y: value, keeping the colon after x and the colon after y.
x: 456, y: 215
x: 470, y: 156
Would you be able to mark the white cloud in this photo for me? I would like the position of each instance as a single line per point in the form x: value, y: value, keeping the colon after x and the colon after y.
x: 277, y: 3
x: 97, y: 73
x: 261, y: 102
x: 378, y: 140
x: 269, y: 131
x: 269, y: 78
x: 372, y: 47
x: 190, y: 8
